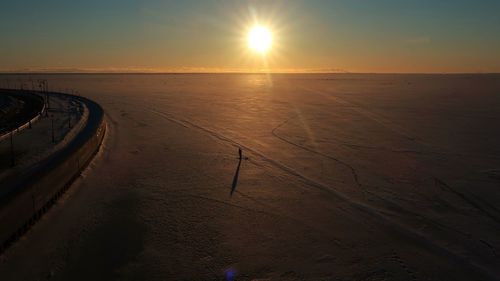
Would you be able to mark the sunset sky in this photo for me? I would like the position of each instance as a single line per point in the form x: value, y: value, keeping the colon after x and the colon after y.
x: 210, y: 35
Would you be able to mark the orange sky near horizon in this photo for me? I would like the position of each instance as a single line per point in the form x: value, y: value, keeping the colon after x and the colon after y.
x: 211, y: 36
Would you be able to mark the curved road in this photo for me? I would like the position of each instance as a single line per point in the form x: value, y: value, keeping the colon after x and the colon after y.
x: 31, y: 106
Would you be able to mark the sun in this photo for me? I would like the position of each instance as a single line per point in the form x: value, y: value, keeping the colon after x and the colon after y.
x: 260, y: 39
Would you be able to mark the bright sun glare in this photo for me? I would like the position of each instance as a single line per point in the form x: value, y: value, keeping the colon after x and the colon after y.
x: 260, y: 39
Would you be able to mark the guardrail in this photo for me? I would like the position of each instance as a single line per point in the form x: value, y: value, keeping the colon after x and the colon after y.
x: 27, y: 124
x: 24, y: 197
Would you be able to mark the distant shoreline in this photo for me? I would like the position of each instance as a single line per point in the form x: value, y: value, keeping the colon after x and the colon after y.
x: 243, y: 73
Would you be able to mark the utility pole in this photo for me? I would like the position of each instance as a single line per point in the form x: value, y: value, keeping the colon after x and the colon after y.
x: 47, y: 91
x: 69, y: 116
x: 41, y: 83
x: 52, y: 121
x: 47, y: 103
x: 12, y: 156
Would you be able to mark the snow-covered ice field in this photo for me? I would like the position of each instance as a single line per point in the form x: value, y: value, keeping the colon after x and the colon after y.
x: 343, y: 177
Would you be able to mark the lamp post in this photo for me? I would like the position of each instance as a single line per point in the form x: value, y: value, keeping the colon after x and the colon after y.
x: 12, y: 155
x: 52, y: 121
x: 45, y: 83
x: 69, y: 116
x: 43, y: 88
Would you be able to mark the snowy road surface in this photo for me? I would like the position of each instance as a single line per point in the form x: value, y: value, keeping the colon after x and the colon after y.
x: 31, y: 146
x: 343, y: 177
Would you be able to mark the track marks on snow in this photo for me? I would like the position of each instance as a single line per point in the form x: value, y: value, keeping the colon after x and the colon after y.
x: 345, y: 164
x: 378, y: 215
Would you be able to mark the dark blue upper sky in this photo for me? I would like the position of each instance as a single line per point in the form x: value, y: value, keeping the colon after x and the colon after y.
x: 315, y: 35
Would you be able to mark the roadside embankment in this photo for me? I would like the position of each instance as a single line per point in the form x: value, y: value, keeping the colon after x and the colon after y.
x: 26, y: 194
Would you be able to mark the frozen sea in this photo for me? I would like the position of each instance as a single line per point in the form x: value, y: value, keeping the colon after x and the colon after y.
x: 343, y: 177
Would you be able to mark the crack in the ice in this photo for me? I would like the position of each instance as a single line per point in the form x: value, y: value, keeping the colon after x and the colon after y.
x: 425, y: 219
x: 384, y: 219
x: 345, y: 164
x: 493, y: 249
x: 446, y: 187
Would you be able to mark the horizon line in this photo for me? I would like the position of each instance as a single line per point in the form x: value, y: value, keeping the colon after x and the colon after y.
x: 215, y: 70
x: 228, y: 72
